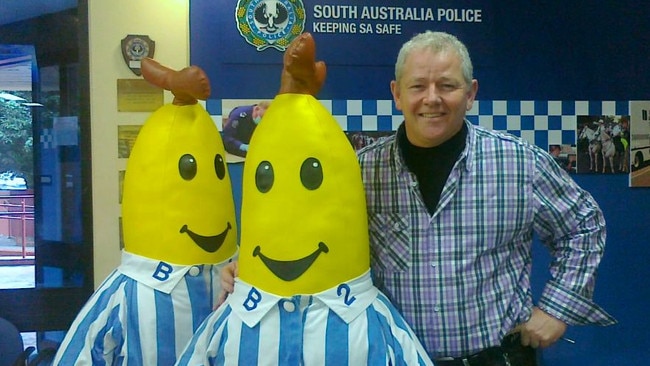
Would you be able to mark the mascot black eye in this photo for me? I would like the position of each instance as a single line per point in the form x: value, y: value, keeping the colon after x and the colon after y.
x: 264, y: 177
x: 311, y: 173
x: 187, y: 166
x: 219, y: 166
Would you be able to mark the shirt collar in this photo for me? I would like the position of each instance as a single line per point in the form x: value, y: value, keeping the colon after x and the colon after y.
x: 348, y: 300
x: 396, y: 151
x: 467, y: 154
x: 156, y: 274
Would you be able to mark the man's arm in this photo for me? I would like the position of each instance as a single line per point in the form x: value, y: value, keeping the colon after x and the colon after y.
x: 570, y: 223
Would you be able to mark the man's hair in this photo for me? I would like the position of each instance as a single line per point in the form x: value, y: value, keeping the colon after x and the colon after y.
x: 264, y: 104
x: 437, y: 42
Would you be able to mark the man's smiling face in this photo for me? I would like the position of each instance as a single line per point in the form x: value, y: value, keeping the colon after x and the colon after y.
x: 433, y: 96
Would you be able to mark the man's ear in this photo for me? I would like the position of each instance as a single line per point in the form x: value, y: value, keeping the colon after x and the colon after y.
x: 394, y: 89
x: 471, y: 94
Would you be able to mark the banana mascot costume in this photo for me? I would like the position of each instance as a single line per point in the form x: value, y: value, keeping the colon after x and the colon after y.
x: 304, y: 295
x: 179, y: 229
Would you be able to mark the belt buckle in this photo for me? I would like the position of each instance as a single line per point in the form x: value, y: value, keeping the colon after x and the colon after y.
x: 464, y: 360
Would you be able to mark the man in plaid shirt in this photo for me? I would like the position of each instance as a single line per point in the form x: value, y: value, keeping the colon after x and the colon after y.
x: 452, y: 210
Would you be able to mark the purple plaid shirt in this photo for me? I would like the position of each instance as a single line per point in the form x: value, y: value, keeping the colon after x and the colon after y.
x: 461, y: 276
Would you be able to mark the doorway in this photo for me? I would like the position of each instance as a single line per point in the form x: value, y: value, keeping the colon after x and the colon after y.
x: 57, y: 259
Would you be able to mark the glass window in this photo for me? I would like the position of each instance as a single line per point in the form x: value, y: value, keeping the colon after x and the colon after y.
x: 45, y: 193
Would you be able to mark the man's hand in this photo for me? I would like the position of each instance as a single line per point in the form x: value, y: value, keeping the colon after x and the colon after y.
x: 541, y: 330
x: 228, y: 274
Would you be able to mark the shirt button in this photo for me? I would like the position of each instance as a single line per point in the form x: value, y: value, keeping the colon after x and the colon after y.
x: 414, y: 184
x: 288, y: 306
x: 436, y: 308
x: 195, y: 271
x: 433, y: 264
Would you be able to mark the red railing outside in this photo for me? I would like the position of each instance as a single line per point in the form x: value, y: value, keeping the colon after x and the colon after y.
x: 17, y: 221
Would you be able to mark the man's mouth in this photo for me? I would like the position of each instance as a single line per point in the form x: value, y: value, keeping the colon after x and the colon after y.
x: 208, y: 243
x: 431, y: 115
x: 290, y: 270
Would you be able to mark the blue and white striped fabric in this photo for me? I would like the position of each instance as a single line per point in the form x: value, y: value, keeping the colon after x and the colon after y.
x: 352, y: 324
x: 143, y: 314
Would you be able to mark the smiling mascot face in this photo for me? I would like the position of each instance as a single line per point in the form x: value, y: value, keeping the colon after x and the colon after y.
x: 304, y: 222
x: 177, y: 201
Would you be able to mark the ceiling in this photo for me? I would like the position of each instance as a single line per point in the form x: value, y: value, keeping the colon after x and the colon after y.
x: 17, y: 10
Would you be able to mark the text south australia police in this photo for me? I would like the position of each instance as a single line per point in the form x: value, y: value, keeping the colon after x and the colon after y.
x: 349, y: 18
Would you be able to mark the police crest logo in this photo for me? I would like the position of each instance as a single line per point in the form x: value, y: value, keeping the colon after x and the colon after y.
x: 270, y: 23
x: 135, y: 48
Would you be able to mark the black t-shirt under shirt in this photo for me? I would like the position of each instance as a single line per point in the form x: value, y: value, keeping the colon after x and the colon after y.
x: 431, y: 165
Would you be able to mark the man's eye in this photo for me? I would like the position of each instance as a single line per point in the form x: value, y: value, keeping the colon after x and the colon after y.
x: 448, y: 87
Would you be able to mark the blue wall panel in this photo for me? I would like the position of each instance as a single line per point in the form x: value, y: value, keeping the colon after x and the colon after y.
x: 556, y: 59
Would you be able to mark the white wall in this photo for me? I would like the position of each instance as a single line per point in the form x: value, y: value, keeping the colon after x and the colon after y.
x: 167, y: 23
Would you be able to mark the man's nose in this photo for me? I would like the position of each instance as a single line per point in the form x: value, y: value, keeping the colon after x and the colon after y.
x: 432, y: 95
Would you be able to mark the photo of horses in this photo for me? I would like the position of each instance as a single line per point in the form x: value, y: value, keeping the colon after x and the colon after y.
x: 603, y: 144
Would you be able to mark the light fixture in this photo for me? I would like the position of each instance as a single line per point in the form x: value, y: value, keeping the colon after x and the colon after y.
x: 32, y: 104
x: 8, y: 96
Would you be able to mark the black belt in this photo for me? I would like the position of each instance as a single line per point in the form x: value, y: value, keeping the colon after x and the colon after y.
x: 510, y: 353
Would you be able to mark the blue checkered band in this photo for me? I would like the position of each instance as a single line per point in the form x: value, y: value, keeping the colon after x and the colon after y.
x: 46, y: 139
x: 543, y: 123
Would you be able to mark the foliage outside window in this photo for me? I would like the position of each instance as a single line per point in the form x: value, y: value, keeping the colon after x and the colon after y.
x: 16, y: 139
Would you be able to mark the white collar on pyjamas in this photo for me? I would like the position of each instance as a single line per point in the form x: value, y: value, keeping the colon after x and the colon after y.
x: 348, y: 300
x: 162, y: 276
